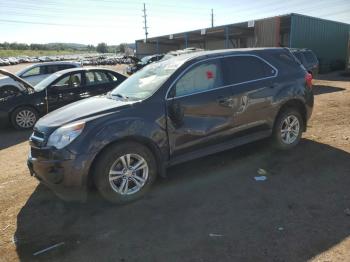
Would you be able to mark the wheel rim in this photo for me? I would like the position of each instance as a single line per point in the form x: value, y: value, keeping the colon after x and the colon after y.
x: 25, y: 118
x: 290, y: 129
x: 128, y: 174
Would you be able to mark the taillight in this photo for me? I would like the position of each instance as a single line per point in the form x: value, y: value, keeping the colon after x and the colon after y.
x: 308, y: 80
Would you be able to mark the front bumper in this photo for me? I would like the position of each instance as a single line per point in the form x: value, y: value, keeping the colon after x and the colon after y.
x: 65, y: 176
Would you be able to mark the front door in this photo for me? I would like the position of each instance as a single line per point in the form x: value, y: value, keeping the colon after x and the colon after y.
x: 65, y: 90
x: 199, y: 109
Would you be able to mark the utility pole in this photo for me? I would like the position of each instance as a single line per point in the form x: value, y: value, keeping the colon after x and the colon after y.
x: 145, y: 20
x: 212, y: 18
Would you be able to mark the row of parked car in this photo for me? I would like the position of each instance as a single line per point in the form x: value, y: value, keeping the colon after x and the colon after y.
x: 110, y: 60
x: 129, y: 130
x: 86, y: 59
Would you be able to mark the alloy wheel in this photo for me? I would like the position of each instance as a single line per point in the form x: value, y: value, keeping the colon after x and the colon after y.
x: 290, y: 129
x: 128, y: 174
x: 25, y: 118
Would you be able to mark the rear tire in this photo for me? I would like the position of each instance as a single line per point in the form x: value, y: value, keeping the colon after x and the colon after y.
x: 24, y: 118
x: 288, y: 129
x: 125, y: 172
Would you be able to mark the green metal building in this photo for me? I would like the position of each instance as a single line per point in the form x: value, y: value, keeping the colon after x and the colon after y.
x: 328, y: 39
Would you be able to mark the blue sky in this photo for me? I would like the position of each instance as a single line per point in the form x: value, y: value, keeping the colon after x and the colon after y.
x: 116, y: 21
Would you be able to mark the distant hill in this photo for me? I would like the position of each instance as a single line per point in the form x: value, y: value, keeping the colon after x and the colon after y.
x: 74, y: 46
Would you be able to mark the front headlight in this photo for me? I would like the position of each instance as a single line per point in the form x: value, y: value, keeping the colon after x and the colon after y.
x: 64, y: 135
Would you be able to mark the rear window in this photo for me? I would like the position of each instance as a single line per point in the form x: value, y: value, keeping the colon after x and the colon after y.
x: 239, y: 69
x: 113, y: 77
x: 299, y: 56
x: 309, y: 57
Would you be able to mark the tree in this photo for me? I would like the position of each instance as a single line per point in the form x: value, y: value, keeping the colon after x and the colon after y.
x: 121, y: 48
x: 102, y: 48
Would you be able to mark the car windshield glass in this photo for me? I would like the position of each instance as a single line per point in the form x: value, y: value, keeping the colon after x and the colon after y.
x: 47, y: 81
x: 20, y: 72
x: 144, y: 83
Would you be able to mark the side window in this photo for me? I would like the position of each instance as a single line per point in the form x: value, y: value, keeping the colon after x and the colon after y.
x: 55, y: 68
x: 67, y: 82
x: 52, y: 69
x: 239, y: 69
x: 113, y: 77
x: 95, y: 78
x: 202, y: 77
x: 64, y: 67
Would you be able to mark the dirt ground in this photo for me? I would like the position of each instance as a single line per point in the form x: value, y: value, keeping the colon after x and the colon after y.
x: 210, y: 209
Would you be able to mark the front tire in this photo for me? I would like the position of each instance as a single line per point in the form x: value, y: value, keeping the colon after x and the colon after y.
x: 125, y: 172
x: 288, y: 129
x: 24, y: 118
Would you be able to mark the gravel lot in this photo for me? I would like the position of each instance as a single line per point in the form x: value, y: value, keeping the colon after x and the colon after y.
x: 210, y: 209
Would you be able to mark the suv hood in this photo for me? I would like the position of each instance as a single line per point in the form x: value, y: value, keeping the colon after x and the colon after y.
x: 84, y: 109
x: 17, y: 79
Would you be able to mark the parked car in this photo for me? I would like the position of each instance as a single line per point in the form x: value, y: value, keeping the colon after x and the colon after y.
x: 182, y: 52
x: 35, y: 73
x: 169, y: 112
x: 5, y: 62
x: 308, y: 59
x: 142, y: 63
x: 23, y: 107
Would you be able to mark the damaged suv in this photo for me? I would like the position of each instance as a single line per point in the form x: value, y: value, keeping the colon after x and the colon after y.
x: 169, y: 112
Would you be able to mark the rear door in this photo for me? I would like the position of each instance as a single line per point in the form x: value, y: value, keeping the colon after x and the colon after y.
x: 64, y: 90
x: 252, y: 82
x: 199, y: 109
x: 97, y: 82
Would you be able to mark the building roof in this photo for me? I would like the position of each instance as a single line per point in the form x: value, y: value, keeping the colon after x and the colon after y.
x: 221, y: 28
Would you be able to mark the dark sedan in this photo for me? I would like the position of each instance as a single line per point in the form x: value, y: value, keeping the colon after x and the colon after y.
x: 23, y: 107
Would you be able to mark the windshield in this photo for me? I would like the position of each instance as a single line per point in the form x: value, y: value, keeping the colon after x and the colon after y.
x: 47, y: 81
x: 20, y: 72
x: 146, y: 81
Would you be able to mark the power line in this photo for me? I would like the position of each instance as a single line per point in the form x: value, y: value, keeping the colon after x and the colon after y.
x: 51, y: 24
